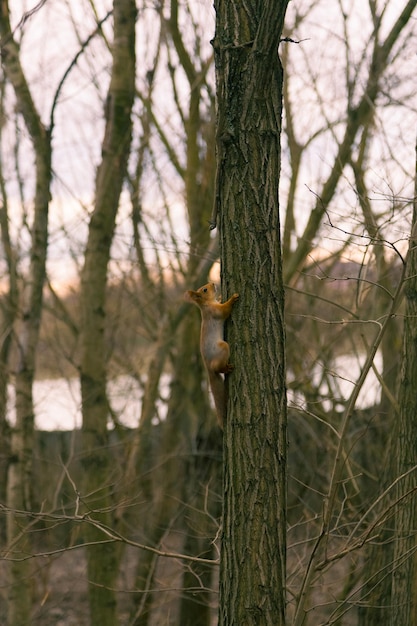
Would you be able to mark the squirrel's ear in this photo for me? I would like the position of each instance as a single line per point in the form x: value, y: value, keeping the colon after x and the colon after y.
x: 192, y: 296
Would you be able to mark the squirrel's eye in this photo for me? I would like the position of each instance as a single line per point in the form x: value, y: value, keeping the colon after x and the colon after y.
x: 205, y: 290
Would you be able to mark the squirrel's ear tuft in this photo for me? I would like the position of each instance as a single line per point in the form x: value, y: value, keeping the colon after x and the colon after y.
x: 190, y: 295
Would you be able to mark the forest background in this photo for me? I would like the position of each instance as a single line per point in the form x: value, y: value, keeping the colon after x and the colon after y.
x: 107, y: 183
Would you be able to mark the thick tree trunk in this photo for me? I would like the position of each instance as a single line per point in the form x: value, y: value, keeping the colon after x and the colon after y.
x: 102, y: 560
x: 249, y: 83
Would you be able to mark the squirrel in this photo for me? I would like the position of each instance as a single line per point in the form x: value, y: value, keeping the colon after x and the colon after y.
x: 214, y: 350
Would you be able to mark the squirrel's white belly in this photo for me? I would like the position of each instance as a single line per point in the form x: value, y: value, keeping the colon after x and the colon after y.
x: 211, y: 334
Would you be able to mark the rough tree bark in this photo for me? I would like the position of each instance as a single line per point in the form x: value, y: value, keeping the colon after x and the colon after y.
x: 249, y: 87
x: 97, y: 488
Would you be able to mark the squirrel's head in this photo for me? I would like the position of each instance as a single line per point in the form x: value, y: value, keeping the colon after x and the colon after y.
x: 206, y: 293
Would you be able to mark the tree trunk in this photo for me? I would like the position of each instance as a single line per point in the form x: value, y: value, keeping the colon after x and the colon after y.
x: 99, y: 475
x: 27, y: 333
x: 8, y: 314
x: 403, y: 595
x: 249, y: 86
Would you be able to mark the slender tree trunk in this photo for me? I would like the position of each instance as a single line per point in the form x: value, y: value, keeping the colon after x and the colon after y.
x: 98, y: 476
x: 249, y: 86
x: 8, y: 314
x: 27, y: 333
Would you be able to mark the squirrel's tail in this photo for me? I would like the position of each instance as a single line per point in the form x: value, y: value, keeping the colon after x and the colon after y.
x: 218, y: 391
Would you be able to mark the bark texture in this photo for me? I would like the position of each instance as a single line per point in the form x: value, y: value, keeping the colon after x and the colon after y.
x: 249, y: 87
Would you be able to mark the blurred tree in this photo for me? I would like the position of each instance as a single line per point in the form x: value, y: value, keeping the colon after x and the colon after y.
x: 27, y: 325
x: 342, y: 215
x: 99, y: 473
x: 8, y: 312
x: 188, y: 440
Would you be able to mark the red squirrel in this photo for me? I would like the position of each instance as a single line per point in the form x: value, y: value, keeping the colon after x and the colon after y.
x: 214, y: 350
